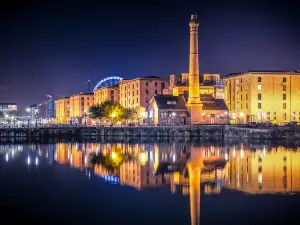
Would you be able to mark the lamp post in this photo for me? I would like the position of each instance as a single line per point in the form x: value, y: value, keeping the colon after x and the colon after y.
x: 88, y: 85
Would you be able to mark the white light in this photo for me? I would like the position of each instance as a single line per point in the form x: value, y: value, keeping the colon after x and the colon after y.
x: 89, y: 174
x: 6, y: 157
x: 28, y: 160
x: 242, y: 153
x: 233, y: 115
x: 264, y: 151
x: 174, y: 158
x: 12, y: 153
x: 241, y: 114
x: 27, y: 109
x: 226, y: 112
x: 36, y: 160
x: 233, y: 153
x: 226, y: 156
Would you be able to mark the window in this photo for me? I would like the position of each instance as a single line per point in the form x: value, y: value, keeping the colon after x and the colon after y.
x: 268, y: 113
x: 171, y: 102
x: 156, y: 92
x: 246, y: 105
x: 146, y: 92
x: 246, y: 96
x: 155, y: 84
x: 146, y: 84
x: 259, y: 87
x: 284, y: 106
x: 284, y: 79
x: 241, y: 106
x: 259, y: 96
x: 241, y: 88
x: 259, y: 105
x: 284, y: 87
x: 132, y: 86
x: 241, y: 97
x: 284, y: 97
x: 259, y: 79
x: 284, y: 116
x: 241, y: 80
x: 274, y: 118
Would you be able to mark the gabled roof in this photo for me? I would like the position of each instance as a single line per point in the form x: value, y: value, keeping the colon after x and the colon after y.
x: 162, y: 102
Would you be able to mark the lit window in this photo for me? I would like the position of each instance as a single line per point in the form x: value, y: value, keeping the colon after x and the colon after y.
x: 259, y: 87
x: 284, y: 106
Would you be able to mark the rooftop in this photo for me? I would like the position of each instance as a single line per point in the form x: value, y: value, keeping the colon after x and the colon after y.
x: 175, y: 102
x: 81, y: 93
x: 270, y: 72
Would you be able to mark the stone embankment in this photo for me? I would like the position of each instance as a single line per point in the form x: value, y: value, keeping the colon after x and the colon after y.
x: 199, y: 131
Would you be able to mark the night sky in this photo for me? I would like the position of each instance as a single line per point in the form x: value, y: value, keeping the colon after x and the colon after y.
x: 53, y: 48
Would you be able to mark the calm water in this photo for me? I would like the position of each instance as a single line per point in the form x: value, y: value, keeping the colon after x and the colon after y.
x: 229, y: 184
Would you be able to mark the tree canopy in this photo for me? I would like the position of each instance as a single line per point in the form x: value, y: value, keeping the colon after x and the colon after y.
x: 114, y: 111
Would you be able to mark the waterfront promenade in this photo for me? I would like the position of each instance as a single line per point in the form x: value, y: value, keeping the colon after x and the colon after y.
x: 196, y: 131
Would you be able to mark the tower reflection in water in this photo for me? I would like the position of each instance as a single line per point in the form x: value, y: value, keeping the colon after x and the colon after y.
x: 253, y: 169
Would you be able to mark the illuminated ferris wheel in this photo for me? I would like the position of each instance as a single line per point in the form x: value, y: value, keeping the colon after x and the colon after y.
x: 108, y: 82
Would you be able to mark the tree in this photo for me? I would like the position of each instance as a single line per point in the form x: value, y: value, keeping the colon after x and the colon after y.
x: 95, y: 112
x: 1, y: 115
x: 130, y: 114
x: 109, y: 110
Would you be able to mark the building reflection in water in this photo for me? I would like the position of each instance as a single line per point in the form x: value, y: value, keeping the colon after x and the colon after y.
x: 263, y: 170
x: 209, y: 169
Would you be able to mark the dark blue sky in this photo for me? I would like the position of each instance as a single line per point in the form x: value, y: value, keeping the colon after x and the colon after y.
x: 53, y: 48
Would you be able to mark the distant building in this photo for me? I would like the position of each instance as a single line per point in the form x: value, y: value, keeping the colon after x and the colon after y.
x: 62, y: 109
x: 179, y: 85
x: 7, y: 108
x: 219, y: 90
x: 46, y: 110
x: 106, y: 93
x: 138, y: 92
x: 79, y: 105
x: 33, y: 111
x: 263, y: 96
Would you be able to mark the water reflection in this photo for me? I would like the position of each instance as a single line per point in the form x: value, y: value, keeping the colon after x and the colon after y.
x: 207, y: 170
